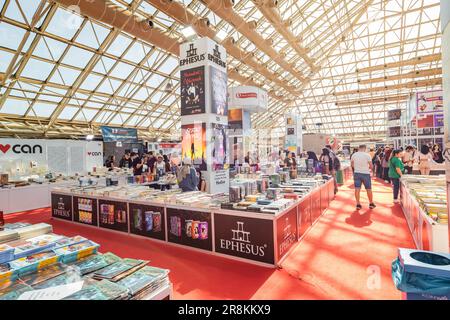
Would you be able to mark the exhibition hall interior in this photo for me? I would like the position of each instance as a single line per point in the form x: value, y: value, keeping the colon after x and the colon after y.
x: 224, y: 150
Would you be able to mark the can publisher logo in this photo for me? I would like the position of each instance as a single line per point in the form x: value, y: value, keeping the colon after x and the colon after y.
x: 246, y: 95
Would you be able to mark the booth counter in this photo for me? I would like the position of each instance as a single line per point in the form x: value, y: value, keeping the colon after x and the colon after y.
x: 258, y: 238
x: 427, y: 233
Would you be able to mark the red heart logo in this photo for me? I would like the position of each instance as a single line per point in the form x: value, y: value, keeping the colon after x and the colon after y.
x: 5, y: 148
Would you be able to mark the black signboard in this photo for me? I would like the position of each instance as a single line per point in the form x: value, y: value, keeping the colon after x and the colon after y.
x: 189, y: 228
x: 244, y: 237
x: 85, y: 210
x: 394, y: 131
x: 290, y: 131
x: 192, y: 91
x: 113, y: 215
x: 394, y: 114
x: 286, y: 232
x: 62, y: 206
x: 304, y: 215
x: 147, y: 221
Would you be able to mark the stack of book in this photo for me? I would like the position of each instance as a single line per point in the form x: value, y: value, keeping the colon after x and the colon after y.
x: 8, y: 235
x: 145, y: 281
x: 34, y: 230
x: 6, y: 253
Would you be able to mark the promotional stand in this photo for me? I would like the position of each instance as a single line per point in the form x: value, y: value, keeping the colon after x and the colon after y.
x: 258, y: 238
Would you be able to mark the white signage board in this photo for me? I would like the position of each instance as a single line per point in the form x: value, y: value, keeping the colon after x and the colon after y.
x: 251, y: 99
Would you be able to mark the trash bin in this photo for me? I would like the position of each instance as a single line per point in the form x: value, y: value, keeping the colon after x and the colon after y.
x: 422, y: 275
x: 340, y: 177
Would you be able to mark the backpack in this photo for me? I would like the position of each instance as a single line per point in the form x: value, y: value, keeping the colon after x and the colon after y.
x: 336, y: 163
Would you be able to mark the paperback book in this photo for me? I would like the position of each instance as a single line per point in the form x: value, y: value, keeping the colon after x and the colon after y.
x: 119, y: 270
x: 95, y: 262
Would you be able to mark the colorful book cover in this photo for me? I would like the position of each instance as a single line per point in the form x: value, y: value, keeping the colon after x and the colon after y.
x: 142, y: 278
x: 64, y: 278
x: 44, y: 274
x: 11, y: 290
x: 119, y: 268
x: 95, y: 262
x: 101, y: 290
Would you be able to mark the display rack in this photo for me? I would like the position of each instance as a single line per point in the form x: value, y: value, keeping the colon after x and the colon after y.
x: 258, y: 238
x: 427, y: 234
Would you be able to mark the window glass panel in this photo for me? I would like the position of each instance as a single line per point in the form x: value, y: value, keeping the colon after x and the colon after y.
x: 36, y: 69
x: 64, y: 24
x: 14, y: 106
x: 77, y: 57
x: 43, y: 109
x: 67, y: 113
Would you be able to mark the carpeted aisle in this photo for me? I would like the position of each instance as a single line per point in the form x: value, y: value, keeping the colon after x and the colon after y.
x: 346, y: 255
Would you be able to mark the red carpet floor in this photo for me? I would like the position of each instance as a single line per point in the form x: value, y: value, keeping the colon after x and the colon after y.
x: 346, y: 255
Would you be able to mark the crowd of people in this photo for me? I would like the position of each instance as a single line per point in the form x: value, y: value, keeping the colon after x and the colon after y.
x: 189, y: 178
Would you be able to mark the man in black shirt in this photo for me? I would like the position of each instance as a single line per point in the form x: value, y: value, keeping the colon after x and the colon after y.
x: 125, y: 162
x: 137, y: 163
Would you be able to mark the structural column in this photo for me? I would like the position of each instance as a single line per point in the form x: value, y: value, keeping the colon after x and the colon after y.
x: 445, y: 25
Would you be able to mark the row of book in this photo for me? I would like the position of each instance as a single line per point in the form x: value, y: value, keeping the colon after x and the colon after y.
x: 22, y: 230
x: 60, y: 261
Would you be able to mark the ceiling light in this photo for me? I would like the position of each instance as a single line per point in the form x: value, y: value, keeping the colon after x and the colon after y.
x: 188, y: 32
x: 90, y: 137
x: 221, y: 35
x: 159, y: 140
x: 169, y: 87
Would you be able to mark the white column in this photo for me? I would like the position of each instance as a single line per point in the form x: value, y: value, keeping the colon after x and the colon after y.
x: 445, y: 24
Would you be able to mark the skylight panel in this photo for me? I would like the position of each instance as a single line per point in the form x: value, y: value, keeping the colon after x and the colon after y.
x: 119, y: 45
x: 91, y: 82
x: 15, y: 106
x: 36, y: 69
x: 122, y: 70
x: 77, y: 57
x: 64, y: 24
x: 68, y: 113
x: 42, y: 109
x: 5, y: 59
x: 65, y: 76
x: 92, y: 35
x: 10, y: 35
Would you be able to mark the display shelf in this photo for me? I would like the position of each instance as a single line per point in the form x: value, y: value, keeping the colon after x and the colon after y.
x: 426, y: 233
x: 259, y: 238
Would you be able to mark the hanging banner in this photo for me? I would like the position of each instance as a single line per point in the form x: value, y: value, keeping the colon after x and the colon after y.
x: 112, y: 134
x: 394, y: 114
x: 218, y: 85
x: 251, y: 99
x: 293, y: 141
x: 439, y: 120
x: 193, y: 145
x: 192, y: 91
x: 394, y: 131
x: 219, y: 149
x: 430, y: 102
x: 425, y: 121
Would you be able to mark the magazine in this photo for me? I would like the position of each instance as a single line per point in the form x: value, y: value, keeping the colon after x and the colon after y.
x: 101, y: 290
x: 95, y: 262
x: 120, y: 269
x: 142, y: 278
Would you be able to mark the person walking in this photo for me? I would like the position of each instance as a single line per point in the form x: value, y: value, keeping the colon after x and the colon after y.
x: 424, y: 158
x: 385, y: 163
x: 396, y: 169
x: 362, y: 166
x: 408, y: 159
x: 327, y: 162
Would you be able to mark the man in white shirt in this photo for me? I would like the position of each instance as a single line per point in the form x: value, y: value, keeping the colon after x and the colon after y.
x: 362, y: 166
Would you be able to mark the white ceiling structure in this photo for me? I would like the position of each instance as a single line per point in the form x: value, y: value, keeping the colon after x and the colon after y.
x: 67, y: 68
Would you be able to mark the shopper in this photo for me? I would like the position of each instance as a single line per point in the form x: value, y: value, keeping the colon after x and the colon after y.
x: 376, y: 161
x: 372, y: 153
x: 151, y: 161
x: 167, y: 162
x: 326, y: 161
x: 335, y: 166
x: 424, y: 158
x: 408, y: 159
x: 290, y: 161
x: 362, y: 166
x: 125, y: 162
x: 187, y: 177
x: 396, y: 169
x: 312, y: 157
x: 385, y: 163
x: 137, y: 164
x: 110, y: 163
x: 437, y: 154
x: 160, y: 166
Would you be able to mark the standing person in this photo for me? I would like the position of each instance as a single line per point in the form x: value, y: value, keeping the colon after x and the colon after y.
x: 335, y: 166
x: 327, y: 162
x: 167, y: 162
x: 290, y: 161
x: 137, y: 164
x: 247, y: 158
x: 125, y: 162
x: 424, y: 158
x: 408, y: 159
x: 151, y: 161
x: 362, y: 166
x: 437, y: 154
x: 377, y: 162
x: 187, y: 177
x: 313, y: 157
x: 396, y: 169
x: 110, y: 163
x: 371, y: 153
x: 160, y: 165
x: 385, y: 163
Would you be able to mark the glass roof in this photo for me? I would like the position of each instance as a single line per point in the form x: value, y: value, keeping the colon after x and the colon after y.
x: 60, y: 70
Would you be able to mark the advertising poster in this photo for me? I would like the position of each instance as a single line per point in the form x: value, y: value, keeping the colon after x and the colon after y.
x: 85, y: 210
x: 394, y: 114
x: 219, y: 150
x: 218, y: 82
x: 147, y: 221
x: 439, y: 120
x: 425, y: 131
x: 192, y: 91
x: 235, y: 119
x: 425, y: 121
x: 189, y: 228
x: 62, y: 206
x: 113, y: 215
x: 193, y: 145
x: 430, y: 102
x: 244, y: 237
x: 286, y: 232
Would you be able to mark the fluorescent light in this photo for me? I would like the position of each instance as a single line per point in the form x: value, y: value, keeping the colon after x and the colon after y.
x: 221, y: 35
x: 188, y: 32
x: 159, y: 139
x: 90, y: 137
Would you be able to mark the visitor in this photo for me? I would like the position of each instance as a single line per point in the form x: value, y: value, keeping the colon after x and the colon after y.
x: 137, y: 164
x: 187, y: 177
x: 362, y: 166
x: 312, y: 157
x: 408, y: 159
x: 247, y: 158
x: 290, y: 162
x: 376, y: 162
x: 125, y: 162
x: 437, y: 154
x: 167, y: 162
x: 372, y: 153
x: 396, y: 169
x: 151, y: 161
x: 335, y: 167
x: 424, y: 159
x: 326, y: 161
x: 385, y: 163
x: 110, y: 163
x: 159, y: 167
